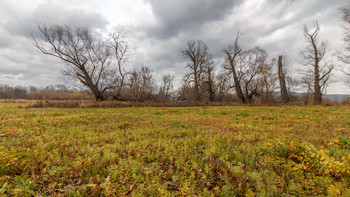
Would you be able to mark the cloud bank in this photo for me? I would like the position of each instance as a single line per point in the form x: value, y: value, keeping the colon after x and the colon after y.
x: 159, y: 29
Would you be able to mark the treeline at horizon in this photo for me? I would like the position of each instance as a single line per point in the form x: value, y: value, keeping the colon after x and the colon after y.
x: 63, y: 92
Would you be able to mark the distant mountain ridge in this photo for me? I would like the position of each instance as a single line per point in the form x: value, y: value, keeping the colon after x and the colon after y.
x: 337, y: 96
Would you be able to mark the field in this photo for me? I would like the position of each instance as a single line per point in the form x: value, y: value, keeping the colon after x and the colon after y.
x: 175, y: 151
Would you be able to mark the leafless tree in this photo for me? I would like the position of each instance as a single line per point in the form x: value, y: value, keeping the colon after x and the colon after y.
x: 222, y: 86
x: 17, y: 92
x: 185, y: 92
x: 134, y: 86
x: 167, y: 86
x: 316, y: 67
x: 87, y: 58
x: 209, y: 88
x: 307, y: 82
x: 245, y: 67
x: 344, y: 55
x: 267, y: 80
x: 251, y: 64
x: 141, y: 84
x: 120, y: 47
x: 282, y: 80
x: 199, y: 58
x: 233, y: 52
x: 292, y: 83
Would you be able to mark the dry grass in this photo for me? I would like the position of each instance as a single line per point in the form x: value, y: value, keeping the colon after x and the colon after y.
x: 108, y: 104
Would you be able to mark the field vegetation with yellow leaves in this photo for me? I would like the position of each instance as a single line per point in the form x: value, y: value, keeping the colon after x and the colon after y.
x: 175, y: 151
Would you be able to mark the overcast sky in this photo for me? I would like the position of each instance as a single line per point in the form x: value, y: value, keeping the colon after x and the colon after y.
x: 159, y: 29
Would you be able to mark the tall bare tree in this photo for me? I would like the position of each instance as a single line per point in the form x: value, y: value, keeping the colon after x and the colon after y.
x: 314, y: 61
x: 282, y: 80
x: 344, y: 55
x: 232, y: 54
x: 120, y: 47
x: 208, y: 88
x: 199, y: 58
x: 245, y: 67
x: 87, y: 58
x: 251, y: 64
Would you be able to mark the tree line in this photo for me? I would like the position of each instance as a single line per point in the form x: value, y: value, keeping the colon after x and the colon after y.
x: 101, y: 66
x: 51, y: 92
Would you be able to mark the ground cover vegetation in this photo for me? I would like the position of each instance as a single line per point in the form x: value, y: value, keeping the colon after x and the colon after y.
x: 175, y: 151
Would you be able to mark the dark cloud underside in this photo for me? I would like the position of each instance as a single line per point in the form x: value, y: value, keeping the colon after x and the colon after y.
x: 159, y: 36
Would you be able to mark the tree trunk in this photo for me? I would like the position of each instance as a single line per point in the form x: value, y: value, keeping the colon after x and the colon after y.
x: 196, y: 86
x: 210, y: 85
x: 284, y: 92
x: 238, y: 88
x: 317, y: 87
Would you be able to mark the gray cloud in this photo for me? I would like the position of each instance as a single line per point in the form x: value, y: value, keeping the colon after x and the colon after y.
x: 273, y: 25
x: 174, y: 17
x: 51, y: 12
x: 158, y: 38
x: 20, y: 62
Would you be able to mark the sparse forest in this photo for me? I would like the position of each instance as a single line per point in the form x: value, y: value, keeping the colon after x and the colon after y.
x: 100, y: 66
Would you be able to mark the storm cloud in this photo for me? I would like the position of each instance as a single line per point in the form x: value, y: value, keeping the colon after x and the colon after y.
x: 159, y: 29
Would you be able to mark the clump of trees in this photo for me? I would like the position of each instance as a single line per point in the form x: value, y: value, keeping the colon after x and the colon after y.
x: 52, y: 92
x: 251, y: 71
x: 101, y: 65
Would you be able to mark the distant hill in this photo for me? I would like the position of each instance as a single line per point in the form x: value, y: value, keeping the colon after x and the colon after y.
x: 337, y: 96
x: 331, y: 96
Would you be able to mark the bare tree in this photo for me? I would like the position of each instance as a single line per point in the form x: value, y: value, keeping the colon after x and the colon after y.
x: 245, y: 68
x: 199, y: 58
x: 232, y: 54
x: 208, y: 83
x: 167, y: 86
x: 120, y: 48
x: 147, y: 83
x: 315, y: 65
x: 306, y: 82
x: 282, y: 80
x: 250, y: 66
x: 344, y: 55
x: 185, y: 92
x: 87, y: 58
x: 222, y: 86
x: 141, y: 84
x: 267, y: 80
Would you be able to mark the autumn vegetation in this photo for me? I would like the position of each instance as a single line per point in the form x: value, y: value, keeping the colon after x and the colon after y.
x: 177, y: 151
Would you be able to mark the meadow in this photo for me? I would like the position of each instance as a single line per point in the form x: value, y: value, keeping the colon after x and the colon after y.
x: 175, y: 151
